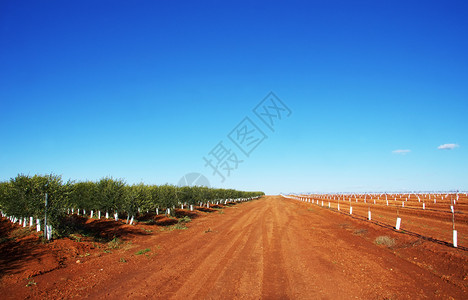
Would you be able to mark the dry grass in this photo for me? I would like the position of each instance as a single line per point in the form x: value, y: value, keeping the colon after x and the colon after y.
x: 385, y: 240
x: 360, y: 231
x: 115, y: 243
x: 21, y: 233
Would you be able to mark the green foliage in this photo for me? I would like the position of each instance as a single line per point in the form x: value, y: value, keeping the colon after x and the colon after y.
x: 185, y: 219
x: 110, y: 194
x: 130, y: 200
x: 167, y: 195
x: 24, y: 196
x: 83, y: 195
x: 179, y: 226
x: 115, y: 243
x: 144, y: 197
x: 143, y: 251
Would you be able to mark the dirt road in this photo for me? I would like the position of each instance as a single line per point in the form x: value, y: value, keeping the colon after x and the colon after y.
x: 272, y: 248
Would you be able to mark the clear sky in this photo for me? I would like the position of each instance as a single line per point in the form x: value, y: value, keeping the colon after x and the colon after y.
x: 145, y: 90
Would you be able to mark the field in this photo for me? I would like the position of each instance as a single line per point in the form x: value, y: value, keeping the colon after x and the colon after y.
x: 425, y: 215
x: 270, y: 248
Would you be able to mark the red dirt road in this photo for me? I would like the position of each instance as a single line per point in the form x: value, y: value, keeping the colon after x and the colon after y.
x: 272, y: 248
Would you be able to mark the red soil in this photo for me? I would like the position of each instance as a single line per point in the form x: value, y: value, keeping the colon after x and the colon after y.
x: 270, y: 248
x: 434, y: 222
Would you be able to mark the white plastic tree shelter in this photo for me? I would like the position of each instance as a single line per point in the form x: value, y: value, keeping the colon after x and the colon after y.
x: 398, y: 223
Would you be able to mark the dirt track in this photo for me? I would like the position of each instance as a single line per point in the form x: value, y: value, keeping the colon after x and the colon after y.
x: 273, y: 248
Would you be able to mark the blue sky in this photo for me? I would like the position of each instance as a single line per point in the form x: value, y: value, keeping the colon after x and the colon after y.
x: 144, y: 90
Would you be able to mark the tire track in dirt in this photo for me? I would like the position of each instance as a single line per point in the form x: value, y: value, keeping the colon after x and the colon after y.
x: 275, y: 273
x: 215, y: 268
